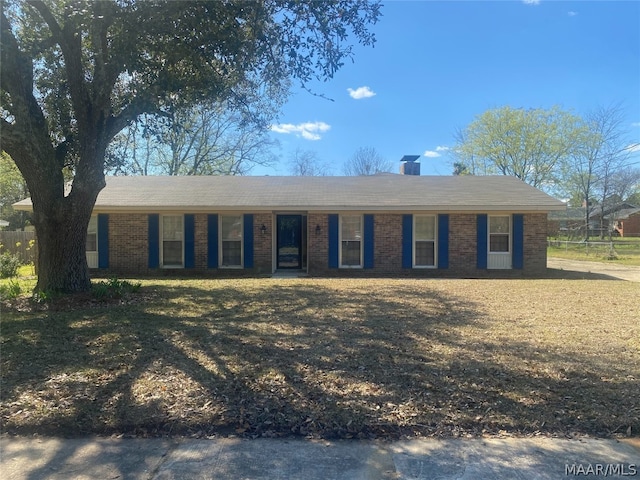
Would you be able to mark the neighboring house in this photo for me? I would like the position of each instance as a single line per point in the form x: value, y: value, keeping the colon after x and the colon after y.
x: 621, y: 219
x: 388, y: 224
x: 626, y: 222
x: 569, y: 222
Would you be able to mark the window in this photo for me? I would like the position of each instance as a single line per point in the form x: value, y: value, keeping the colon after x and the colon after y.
x: 172, y: 240
x: 351, y: 240
x: 92, y: 242
x: 424, y: 237
x: 231, y: 244
x: 92, y: 235
x: 499, y: 233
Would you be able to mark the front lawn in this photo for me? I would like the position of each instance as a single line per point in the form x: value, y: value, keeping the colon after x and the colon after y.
x: 621, y: 251
x: 329, y: 358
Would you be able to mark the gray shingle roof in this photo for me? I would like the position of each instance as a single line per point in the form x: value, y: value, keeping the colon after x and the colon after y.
x: 374, y: 193
x: 623, y: 214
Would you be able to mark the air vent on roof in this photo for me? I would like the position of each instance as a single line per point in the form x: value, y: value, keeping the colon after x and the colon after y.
x: 409, y: 166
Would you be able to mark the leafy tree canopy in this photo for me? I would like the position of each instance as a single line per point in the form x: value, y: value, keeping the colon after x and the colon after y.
x: 528, y: 144
x: 75, y: 73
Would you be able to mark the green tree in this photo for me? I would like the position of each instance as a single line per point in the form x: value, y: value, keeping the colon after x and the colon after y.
x: 75, y: 73
x: 528, y: 144
x: 459, y: 168
x: 12, y: 189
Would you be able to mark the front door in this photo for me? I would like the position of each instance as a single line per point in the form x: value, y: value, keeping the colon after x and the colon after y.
x: 289, y: 241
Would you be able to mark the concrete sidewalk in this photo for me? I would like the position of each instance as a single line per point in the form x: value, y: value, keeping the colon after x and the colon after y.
x: 530, y: 458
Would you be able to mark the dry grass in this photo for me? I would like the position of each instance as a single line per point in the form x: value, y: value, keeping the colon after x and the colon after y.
x: 331, y: 358
x: 626, y: 251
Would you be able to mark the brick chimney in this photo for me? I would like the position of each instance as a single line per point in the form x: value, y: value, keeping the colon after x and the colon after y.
x: 409, y: 166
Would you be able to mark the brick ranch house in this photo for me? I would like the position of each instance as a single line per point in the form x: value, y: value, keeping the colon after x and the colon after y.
x: 386, y: 224
x: 627, y: 222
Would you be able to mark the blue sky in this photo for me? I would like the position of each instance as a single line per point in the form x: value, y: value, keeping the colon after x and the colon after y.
x: 436, y: 65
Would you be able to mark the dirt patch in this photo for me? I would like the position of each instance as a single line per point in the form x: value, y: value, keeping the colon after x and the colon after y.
x: 599, y: 270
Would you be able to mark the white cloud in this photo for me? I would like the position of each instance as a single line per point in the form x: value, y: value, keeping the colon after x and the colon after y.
x: 635, y: 124
x: 634, y: 147
x: 572, y: 13
x: 307, y: 130
x: 531, y: 2
x: 435, y: 153
x: 361, y: 92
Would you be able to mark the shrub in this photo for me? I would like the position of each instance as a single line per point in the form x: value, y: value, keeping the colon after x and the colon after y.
x: 113, y: 288
x: 10, y: 290
x: 43, y: 296
x: 9, y: 264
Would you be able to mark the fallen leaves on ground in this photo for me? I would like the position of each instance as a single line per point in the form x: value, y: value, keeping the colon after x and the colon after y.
x: 330, y: 358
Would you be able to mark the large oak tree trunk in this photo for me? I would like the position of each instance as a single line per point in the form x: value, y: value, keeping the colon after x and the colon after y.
x: 62, y: 263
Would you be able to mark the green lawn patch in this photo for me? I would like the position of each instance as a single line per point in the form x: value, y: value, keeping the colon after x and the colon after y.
x: 622, y: 251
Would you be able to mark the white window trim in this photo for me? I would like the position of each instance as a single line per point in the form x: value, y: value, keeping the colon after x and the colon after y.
x: 221, y: 239
x: 340, y: 265
x: 489, y: 235
x: 93, y: 253
x: 162, y: 265
x: 435, y: 242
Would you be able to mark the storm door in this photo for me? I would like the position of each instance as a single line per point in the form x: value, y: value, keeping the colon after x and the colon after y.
x: 289, y: 241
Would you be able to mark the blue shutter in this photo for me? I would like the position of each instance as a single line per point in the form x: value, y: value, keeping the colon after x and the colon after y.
x: 518, y: 241
x: 248, y: 240
x: 212, y: 241
x: 482, y: 241
x: 333, y: 240
x: 407, y: 241
x: 443, y: 241
x: 189, y: 241
x: 103, y: 240
x: 154, y: 240
x: 368, y: 241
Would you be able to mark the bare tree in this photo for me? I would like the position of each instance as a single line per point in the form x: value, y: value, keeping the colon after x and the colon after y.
x: 203, y: 140
x: 366, y: 161
x: 465, y: 162
x: 609, y: 150
x: 625, y: 183
x: 305, y: 163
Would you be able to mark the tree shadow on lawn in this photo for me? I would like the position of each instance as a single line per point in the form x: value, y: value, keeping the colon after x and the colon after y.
x: 566, y: 274
x: 293, y: 359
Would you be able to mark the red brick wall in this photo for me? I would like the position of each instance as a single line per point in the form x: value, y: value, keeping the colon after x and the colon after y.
x: 462, y: 245
x: 535, y: 244
x: 631, y: 226
x: 318, y: 243
x: 128, y: 243
x: 262, y: 243
x: 387, y: 248
x: 128, y: 247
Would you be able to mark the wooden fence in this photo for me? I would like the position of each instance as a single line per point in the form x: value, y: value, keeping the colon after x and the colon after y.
x: 21, y: 243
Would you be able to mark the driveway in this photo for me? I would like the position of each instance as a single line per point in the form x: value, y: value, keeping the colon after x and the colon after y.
x: 594, y: 269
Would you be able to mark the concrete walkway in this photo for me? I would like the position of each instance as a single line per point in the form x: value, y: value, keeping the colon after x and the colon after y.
x: 164, y: 459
